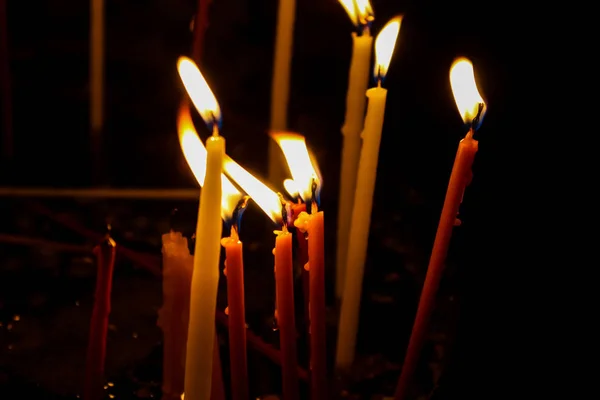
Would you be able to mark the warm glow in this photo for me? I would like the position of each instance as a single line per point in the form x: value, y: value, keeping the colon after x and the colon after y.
x: 196, y: 87
x: 464, y: 88
x: 291, y: 187
x: 384, y: 46
x: 195, y: 155
x: 299, y: 162
x: 266, y: 199
x: 359, y: 11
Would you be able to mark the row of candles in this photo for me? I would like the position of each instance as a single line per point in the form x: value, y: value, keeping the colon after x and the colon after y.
x: 191, y: 361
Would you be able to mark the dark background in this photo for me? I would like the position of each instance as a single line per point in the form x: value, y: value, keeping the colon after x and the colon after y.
x: 48, y: 49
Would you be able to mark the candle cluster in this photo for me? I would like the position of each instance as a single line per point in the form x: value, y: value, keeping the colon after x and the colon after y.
x: 226, y: 190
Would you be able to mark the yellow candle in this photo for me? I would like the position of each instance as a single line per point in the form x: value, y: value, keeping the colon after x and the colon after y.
x: 280, y: 89
x: 363, y: 199
x: 358, y: 79
x: 205, y: 275
x: 96, y: 66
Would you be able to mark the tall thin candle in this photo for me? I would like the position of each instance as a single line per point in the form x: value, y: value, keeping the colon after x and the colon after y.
x: 96, y: 68
x: 205, y: 276
x: 304, y: 170
x: 472, y: 108
x: 363, y: 199
x: 361, y: 14
x: 231, y: 210
x: 280, y: 88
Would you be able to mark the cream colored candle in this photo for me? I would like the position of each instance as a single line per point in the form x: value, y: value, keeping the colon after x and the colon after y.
x: 280, y: 89
x: 358, y: 80
x: 96, y: 66
x: 363, y: 199
x: 205, y: 275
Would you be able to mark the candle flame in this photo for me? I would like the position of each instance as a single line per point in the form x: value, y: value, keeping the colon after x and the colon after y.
x: 359, y: 11
x: 197, y: 88
x: 195, y: 155
x: 384, y: 47
x: 291, y: 187
x: 302, y: 166
x: 263, y: 196
x: 469, y: 102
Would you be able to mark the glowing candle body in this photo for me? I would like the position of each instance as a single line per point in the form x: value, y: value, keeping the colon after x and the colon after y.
x: 237, y: 320
x: 173, y: 317
x: 205, y: 277
x: 96, y: 351
x: 358, y: 79
x: 459, y: 179
x: 318, y: 329
x: 284, y: 286
x: 359, y: 234
x: 280, y: 89
x: 302, y: 257
x: 96, y: 66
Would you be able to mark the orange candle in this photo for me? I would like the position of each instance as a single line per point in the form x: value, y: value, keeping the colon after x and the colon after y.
x: 284, y: 287
x: 302, y: 256
x: 96, y: 351
x: 471, y: 106
x: 234, y: 270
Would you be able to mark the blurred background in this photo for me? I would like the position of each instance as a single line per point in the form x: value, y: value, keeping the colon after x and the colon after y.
x: 46, y: 287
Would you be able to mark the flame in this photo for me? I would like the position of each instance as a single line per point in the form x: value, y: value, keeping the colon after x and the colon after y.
x: 196, y: 87
x: 291, y: 187
x: 266, y: 199
x: 359, y: 11
x: 195, y: 155
x: 466, y: 95
x: 301, y: 164
x: 384, y: 46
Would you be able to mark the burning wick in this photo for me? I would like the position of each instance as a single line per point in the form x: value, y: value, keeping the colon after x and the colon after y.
x: 475, y: 123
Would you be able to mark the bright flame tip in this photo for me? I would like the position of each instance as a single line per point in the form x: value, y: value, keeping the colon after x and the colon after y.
x: 469, y: 101
x: 385, y: 44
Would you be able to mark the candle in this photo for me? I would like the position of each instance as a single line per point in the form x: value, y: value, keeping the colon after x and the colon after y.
x: 307, y: 180
x: 361, y: 14
x: 174, y: 314
x: 472, y: 108
x: 96, y: 68
x: 277, y: 209
x: 205, y: 275
x: 234, y: 270
x: 231, y: 208
x: 280, y: 89
x: 302, y: 254
x: 96, y: 351
x: 363, y: 198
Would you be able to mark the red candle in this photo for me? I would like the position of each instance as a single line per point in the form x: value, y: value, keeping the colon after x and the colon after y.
x: 315, y: 225
x: 234, y: 270
x: 284, y: 286
x: 96, y: 351
x: 471, y: 106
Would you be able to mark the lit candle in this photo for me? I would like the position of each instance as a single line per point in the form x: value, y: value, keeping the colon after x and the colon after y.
x: 363, y: 198
x: 272, y: 204
x: 306, y: 177
x: 472, y: 109
x: 361, y: 14
x: 195, y: 154
x: 234, y: 270
x: 280, y: 89
x: 96, y: 351
x: 205, y: 275
x: 173, y: 315
x: 96, y: 67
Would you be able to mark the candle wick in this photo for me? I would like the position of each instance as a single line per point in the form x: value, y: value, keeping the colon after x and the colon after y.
x: 379, y: 79
x: 234, y: 233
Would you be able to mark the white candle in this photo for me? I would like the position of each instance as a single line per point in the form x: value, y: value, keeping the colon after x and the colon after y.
x: 96, y: 66
x: 358, y: 80
x: 280, y: 89
x: 363, y: 199
x: 205, y: 275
